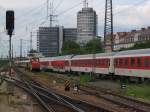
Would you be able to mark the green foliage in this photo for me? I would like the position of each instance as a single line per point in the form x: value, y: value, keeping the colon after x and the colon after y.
x: 3, y: 62
x: 33, y: 51
x: 143, y: 45
x: 84, y: 79
x: 71, y: 47
x: 138, y: 91
x: 93, y: 46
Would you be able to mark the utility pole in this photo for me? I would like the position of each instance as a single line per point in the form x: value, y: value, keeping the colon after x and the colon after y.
x: 15, y: 54
x: 21, y: 49
x: 108, y: 30
x: 32, y: 34
x: 24, y: 54
x: 50, y: 12
x: 31, y: 41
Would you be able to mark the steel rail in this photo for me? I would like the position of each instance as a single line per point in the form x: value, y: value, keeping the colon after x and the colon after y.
x: 56, y: 98
x: 132, y: 103
x: 32, y: 92
x: 54, y: 94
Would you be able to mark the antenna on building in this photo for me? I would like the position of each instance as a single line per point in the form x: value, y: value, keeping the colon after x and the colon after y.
x: 50, y: 12
x: 108, y: 30
x: 85, y: 2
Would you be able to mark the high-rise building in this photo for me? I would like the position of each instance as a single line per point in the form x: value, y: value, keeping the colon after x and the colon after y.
x: 50, y: 40
x: 86, y: 25
x: 70, y: 34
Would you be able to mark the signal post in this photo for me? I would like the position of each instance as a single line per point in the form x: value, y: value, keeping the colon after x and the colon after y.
x: 10, y: 28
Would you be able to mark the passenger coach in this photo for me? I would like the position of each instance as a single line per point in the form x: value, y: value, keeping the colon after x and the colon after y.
x: 93, y: 63
x: 134, y: 63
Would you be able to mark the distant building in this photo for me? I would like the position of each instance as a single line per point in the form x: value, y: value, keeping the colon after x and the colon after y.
x: 50, y: 40
x: 118, y: 39
x: 70, y: 34
x: 129, y: 39
x: 86, y: 25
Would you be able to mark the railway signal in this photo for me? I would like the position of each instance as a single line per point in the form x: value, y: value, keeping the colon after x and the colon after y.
x: 10, y: 28
x: 10, y: 22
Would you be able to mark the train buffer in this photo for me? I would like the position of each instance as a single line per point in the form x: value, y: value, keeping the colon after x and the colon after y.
x: 67, y: 85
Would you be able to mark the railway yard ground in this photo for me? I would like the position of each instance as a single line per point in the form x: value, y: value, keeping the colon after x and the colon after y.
x: 19, y: 102
x: 96, y: 93
x: 137, y: 91
x: 57, y: 81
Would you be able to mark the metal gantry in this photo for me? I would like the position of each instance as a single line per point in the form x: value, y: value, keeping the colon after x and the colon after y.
x: 108, y: 27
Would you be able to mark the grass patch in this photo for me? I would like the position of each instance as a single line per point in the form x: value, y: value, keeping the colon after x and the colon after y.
x: 141, y: 91
x: 3, y: 62
x: 84, y: 79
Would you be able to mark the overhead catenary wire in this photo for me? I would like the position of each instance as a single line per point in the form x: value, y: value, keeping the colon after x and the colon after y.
x: 131, y: 7
x: 58, y: 5
x: 69, y: 9
x: 31, y: 10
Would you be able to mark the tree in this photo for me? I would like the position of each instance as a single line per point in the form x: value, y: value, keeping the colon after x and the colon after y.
x: 70, y: 47
x: 93, y: 46
x: 142, y: 45
x: 33, y: 51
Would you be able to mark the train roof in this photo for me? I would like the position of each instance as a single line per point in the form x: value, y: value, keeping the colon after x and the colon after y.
x: 133, y: 52
x: 91, y: 55
x: 46, y: 58
x: 66, y: 57
x: 105, y: 54
x: 23, y: 61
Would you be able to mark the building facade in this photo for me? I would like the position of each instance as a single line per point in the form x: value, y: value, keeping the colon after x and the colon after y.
x: 86, y: 25
x: 129, y: 39
x: 50, y: 40
x: 70, y: 34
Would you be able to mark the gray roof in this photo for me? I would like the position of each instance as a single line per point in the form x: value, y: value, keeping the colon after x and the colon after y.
x: 63, y: 57
x: 91, y: 55
x: 134, y: 52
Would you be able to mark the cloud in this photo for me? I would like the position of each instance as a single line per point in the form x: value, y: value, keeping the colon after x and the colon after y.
x: 132, y: 17
x: 19, y: 3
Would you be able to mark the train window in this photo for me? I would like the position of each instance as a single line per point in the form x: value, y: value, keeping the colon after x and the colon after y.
x: 108, y: 62
x: 98, y: 62
x: 146, y: 62
x: 120, y: 62
x: 116, y: 62
x: 126, y: 62
x: 102, y: 62
x: 105, y: 62
x: 139, y: 62
x: 132, y: 62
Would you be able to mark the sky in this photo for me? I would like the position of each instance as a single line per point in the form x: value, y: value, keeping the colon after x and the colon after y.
x: 30, y: 14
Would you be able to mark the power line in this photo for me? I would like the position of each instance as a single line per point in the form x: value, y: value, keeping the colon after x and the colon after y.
x: 63, y: 12
x: 131, y: 7
x: 57, y: 6
x: 32, y: 10
x: 69, y: 9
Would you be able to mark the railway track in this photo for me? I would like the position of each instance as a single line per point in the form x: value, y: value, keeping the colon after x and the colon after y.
x: 123, y: 101
x: 136, y: 105
x: 49, y: 100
